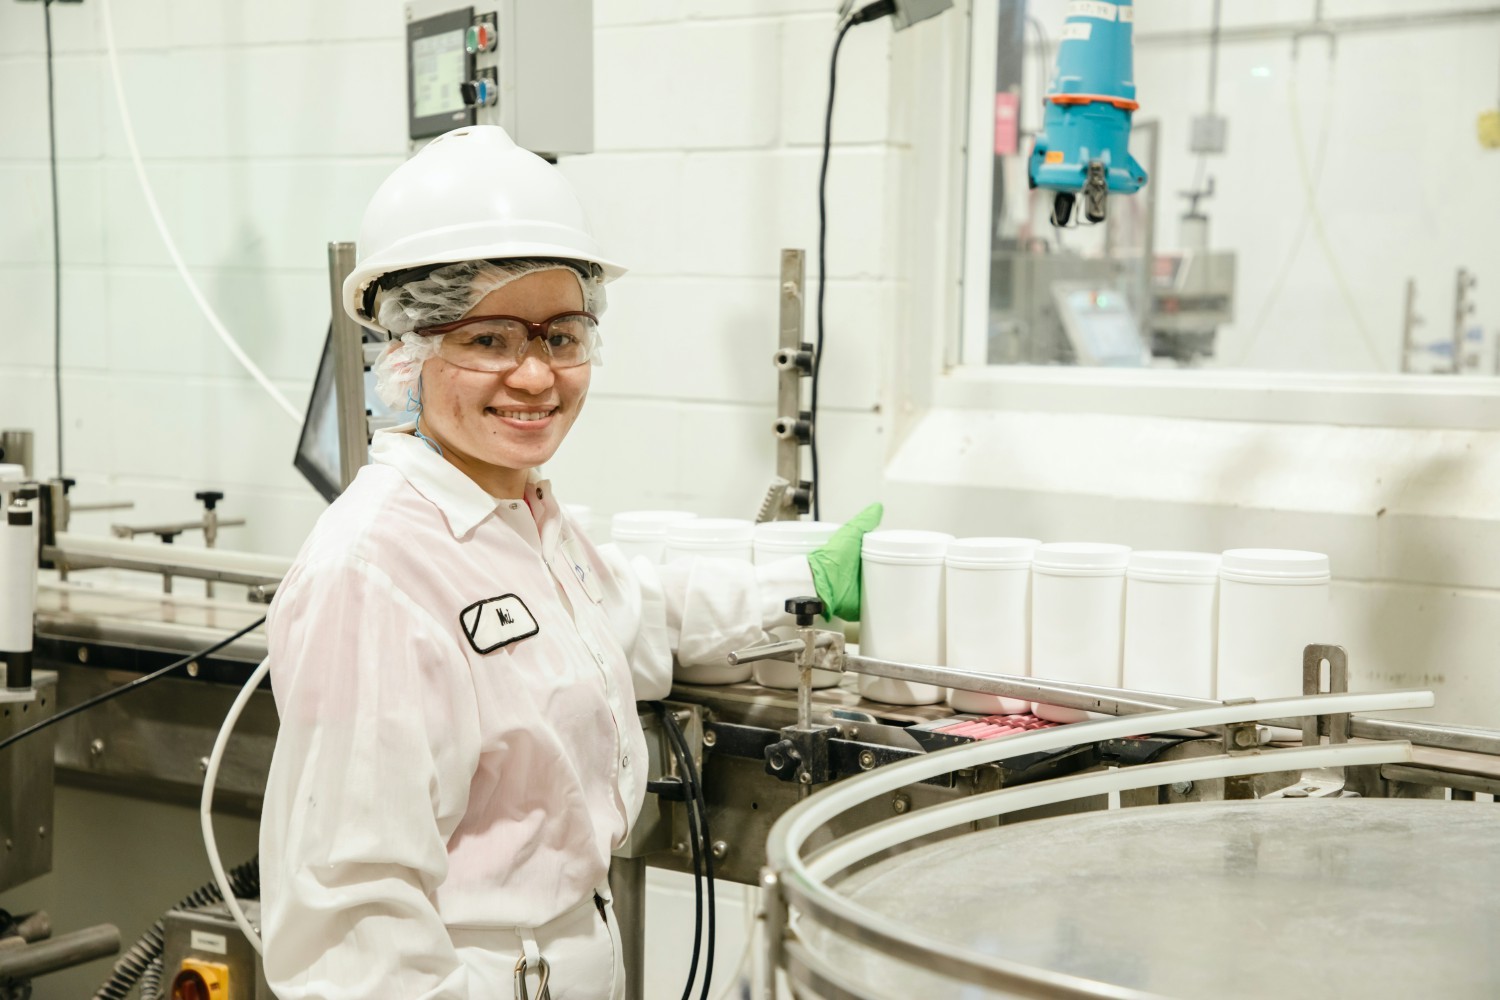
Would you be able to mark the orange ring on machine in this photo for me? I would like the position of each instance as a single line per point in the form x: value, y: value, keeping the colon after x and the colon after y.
x: 1123, y: 103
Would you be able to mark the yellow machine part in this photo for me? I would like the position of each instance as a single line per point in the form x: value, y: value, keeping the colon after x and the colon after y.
x: 198, y: 980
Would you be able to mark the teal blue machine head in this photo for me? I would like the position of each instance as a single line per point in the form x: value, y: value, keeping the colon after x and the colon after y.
x: 1084, y: 148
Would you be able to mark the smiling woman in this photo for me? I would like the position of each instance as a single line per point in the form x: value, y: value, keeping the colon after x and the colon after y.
x: 456, y: 666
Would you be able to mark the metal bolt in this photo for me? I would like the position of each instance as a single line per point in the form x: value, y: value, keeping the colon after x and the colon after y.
x: 720, y: 849
x: 41, y: 831
x: 710, y: 737
x: 83, y: 654
x: 96, y: 747
x: 804, y: 777
x: 679, y: 848
x: 1244, y: 737
x: 866, y: 759
x: 1182, y: 787
x: 777, y: 760
x: 203, y: 764
x: 9, y: 844
x: 854, y: 732
x: 900, y: 803
x: 192, y: 669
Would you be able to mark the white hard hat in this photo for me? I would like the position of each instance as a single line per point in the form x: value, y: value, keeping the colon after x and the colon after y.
x: 470, y: 194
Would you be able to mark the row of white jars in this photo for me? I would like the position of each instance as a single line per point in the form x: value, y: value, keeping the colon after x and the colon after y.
x: 1188, y: 623
x: 1058, y: 611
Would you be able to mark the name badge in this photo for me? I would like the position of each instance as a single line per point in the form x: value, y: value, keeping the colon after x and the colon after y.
x: 497, y: 622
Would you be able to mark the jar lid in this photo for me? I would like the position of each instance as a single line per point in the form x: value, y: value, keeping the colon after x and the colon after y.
x: 1176, y: 565
x: 710, y: 530
x: 1082, y: 556
x: 905, y: 544
x: 1276, y: 564
x: 645, y: 523
x: 971, y: 552
x: 794, y: 534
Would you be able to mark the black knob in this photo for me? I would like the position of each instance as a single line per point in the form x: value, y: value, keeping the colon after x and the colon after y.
x: 27, y: 492
x: 209, y: 498
x: 469, y: 92
x: 805, y: 608
x: 68, y: 482
x: 783, y: 759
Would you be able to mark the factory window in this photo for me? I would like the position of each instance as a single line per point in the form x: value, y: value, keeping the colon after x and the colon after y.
x: 1308, y: 209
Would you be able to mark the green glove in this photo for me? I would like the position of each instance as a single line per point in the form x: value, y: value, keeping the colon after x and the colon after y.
x: 835, y: 567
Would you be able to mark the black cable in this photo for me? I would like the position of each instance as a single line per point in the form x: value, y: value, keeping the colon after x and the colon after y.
x: 678, y: 747
x: 139, y: 682
x: 56, y: 241
x: 696, y: 790
x: 817, y: 368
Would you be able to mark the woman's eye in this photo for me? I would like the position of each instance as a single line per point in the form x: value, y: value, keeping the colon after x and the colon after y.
x: 484, y: 340
x: 561, y: 340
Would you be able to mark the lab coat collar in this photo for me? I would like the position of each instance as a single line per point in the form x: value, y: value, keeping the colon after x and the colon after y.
x: 463, y: 502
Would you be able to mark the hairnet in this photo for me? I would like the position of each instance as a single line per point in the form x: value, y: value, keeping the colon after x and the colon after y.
x: 447, y: 294
x: 451, y: 291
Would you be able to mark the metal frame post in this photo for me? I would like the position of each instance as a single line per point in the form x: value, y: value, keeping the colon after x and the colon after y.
x: 348, y: 369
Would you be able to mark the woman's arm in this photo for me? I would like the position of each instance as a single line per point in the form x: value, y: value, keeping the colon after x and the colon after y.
x: 379, y: 739
x: 701, y: 610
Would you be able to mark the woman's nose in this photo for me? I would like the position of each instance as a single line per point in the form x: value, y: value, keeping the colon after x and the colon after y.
x: 533, y: 374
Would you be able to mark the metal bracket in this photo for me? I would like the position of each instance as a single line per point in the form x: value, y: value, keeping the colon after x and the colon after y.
x: 802, y: 755
x: 1335, y: 727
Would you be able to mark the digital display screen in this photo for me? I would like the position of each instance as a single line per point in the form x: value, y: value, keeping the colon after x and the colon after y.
x: 438, y: 65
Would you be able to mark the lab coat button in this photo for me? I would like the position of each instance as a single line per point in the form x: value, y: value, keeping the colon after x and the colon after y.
x: 625, y: 762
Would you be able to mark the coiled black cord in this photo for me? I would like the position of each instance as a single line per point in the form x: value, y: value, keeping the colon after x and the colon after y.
x: 133, y: 966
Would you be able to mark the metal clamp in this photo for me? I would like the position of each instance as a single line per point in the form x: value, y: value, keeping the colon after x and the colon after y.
x: 545, y: 971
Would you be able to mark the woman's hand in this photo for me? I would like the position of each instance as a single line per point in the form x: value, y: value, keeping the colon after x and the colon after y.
x: 836, y: 566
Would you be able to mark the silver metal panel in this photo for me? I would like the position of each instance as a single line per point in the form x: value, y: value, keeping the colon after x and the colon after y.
x: 155, y: 742
x: 199, y: 935
x: 1292, y: 899
x: 26, y: 785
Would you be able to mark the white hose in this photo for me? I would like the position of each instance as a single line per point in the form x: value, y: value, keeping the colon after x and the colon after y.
x: 166, y: 237
x: 206, y: 806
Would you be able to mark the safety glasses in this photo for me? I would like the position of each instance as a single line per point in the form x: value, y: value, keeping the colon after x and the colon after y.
x: 498, y: 343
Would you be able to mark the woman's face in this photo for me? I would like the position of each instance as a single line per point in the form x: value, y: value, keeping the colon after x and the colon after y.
x: 495, y: 426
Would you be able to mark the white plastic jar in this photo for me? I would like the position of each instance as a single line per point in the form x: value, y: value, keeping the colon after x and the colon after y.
x: 901, y: 617
x: 1272, y: 603
x: 1171, y: 622
x: 988, y: 616
x: 644, y: 532
x: 774, y: 541
x: 1077, y: 617
x: 709, y: 537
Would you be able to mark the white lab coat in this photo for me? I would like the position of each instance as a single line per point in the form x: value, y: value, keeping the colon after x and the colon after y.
x: 459, y: 748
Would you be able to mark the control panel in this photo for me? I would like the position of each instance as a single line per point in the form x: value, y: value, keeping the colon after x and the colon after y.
x: 526, y: 65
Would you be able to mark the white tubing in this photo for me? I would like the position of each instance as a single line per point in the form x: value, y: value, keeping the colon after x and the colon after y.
x: 206, y: 806
x: 166, y: 237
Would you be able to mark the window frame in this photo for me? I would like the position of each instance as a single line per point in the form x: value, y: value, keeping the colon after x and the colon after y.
x: 1350, y: 399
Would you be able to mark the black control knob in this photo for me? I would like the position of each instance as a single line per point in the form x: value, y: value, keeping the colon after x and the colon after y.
x: 68, y: 482
x: 783, y: 760
x: 805, y: 608
x: 209, y: 498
